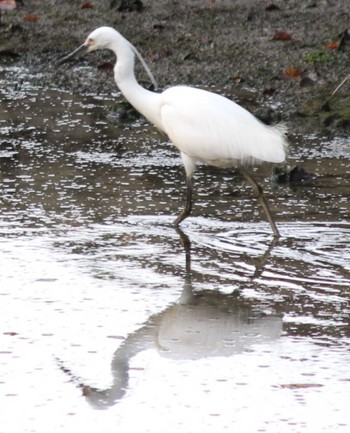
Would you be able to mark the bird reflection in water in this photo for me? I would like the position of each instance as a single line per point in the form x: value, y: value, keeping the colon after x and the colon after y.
x: 201, y: 324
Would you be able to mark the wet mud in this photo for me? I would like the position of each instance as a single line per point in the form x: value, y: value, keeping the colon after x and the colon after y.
x: 289, y: 55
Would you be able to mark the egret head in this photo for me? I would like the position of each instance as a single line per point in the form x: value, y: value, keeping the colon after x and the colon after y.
x: 99, y: 39
x: 108, y: 38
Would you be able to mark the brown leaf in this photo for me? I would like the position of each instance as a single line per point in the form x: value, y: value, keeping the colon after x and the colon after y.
x: 333, y: 45
x: 237, y: 79
x: 87, y: 5
x: 282, y: 36
x: 271, y: 7
x: 292, y: 74
x: 342, y: 39
x: 30, y: 18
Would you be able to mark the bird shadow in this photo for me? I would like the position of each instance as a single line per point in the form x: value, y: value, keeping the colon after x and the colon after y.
x: 201, y: 324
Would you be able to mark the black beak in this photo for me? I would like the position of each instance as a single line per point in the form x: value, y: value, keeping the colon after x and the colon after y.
x: 82, y: 49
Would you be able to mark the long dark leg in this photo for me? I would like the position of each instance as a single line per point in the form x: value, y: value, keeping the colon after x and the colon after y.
x: 261, y: 198
x: 188, y: 206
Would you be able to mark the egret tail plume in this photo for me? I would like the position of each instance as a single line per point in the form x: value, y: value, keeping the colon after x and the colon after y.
x: 144, y: 64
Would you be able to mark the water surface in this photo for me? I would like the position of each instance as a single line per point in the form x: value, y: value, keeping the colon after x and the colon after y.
x: 111, y: 321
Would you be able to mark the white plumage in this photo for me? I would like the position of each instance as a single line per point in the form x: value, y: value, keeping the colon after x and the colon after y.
x: 213, y: 129
x: 204, y: 126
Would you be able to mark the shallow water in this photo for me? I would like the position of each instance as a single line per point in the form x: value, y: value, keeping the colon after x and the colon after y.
x: 105, y: 306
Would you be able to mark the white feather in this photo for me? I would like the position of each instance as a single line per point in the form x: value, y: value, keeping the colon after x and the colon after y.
x: 211, y: 128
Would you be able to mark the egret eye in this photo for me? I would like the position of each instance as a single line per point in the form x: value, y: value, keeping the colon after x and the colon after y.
x: 90, y: 43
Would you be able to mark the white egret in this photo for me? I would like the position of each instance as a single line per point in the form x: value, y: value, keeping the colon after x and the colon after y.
x: 204, y: 126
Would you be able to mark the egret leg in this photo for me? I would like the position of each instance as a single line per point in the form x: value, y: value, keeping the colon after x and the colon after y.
x: 262, y: 200
x: 188, y: 206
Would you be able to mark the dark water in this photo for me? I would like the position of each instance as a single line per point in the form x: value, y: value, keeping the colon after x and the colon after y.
x: 102, y: 306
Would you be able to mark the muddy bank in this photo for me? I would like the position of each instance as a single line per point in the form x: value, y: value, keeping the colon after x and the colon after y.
x: 282, y: 57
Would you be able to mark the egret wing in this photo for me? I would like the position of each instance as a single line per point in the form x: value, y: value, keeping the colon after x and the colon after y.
x: 214, y: 129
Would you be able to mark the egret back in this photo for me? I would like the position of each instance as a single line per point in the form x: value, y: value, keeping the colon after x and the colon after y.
x: 208, y: 127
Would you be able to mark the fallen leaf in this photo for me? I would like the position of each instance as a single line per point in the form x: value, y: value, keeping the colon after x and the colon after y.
x: 87, y: 5
x: 159, y: 27
x: 282, y: 36
x: 30, y: 18
x: 333, y: 45
x: 271, y: 7
x: 129, y: 6
x: 292, y: 74
x: 342, y: 39
x: 237, y: 79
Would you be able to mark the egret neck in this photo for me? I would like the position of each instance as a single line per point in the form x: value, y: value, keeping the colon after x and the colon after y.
x: 140, y: 98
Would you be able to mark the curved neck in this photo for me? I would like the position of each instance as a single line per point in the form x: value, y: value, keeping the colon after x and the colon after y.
x: 144, y: 101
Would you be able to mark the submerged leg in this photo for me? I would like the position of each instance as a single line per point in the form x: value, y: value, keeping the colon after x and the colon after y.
x: 188, y: 206
x: 261, y: 198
